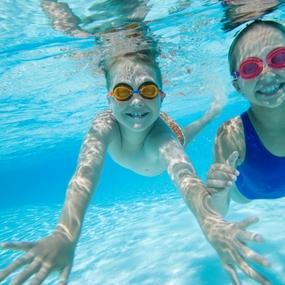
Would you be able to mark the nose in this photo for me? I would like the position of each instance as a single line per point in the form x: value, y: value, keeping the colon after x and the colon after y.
x: 137, y: 100
x: 267, y: 73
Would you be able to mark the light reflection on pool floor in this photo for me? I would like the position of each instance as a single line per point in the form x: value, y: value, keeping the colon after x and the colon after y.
x: 148, y: 242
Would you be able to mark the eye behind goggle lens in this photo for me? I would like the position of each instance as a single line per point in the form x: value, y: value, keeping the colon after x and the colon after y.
x: 149, y: 90
x: 276, y: 58
x: 122, y: 93
x: 251, y: 68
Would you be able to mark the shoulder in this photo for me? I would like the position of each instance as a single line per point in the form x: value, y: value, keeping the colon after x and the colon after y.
x: 103, y: 124
x: 229, y: 128
x: 103, y: 119
x: 161, y: 137
x: 230, y: 137
x: 173, y: 127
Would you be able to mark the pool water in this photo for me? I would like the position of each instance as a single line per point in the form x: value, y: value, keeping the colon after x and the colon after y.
x: 137, y: 229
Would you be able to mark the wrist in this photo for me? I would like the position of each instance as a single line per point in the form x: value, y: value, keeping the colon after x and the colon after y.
x: 63, y: 231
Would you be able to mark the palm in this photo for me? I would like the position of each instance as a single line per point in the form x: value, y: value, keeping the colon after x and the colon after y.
x: 52, y: 253
x: 229, y: 240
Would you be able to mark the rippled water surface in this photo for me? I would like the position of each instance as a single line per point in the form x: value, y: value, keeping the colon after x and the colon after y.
x: 137, y: 230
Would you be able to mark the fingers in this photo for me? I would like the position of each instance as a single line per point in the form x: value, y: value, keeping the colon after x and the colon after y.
x: 64, y: 275
x: 239, y: 256
x: 245, y: 236
x: 41, y: 275
x: 233, y: 274
x: 15, y: 265
x: 248, y: 270
x: 26, y: 246
x: 221, y: 176
x: 27, y: 273
x: 217, y: 185
x: 222, y: 169
x: 232, y: 159
x: 247, y: 222
x: 251, y: 255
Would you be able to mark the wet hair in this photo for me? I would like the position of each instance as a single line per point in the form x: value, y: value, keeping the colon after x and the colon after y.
x: 146, y: 57
x: 231, y: 58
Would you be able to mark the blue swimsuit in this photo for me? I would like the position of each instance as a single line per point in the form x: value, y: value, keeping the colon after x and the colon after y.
x: 262, y: 174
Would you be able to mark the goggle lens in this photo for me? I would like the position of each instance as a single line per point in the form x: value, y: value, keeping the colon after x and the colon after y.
x: 122, y: 92
x: 251, y: 68
x: 276, y: 58
x: 149, y: 90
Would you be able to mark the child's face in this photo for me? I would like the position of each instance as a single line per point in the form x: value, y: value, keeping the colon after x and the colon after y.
x: 267, y: 88
x: 137, y: 113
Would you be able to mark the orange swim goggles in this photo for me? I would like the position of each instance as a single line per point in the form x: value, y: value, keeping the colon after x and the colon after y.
x: 148, y: 90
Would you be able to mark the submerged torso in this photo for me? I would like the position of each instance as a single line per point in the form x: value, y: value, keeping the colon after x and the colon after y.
x: 261, y: 172
x: 143, y: 158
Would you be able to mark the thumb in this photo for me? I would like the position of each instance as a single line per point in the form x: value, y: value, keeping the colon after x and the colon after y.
x: 232, y: 159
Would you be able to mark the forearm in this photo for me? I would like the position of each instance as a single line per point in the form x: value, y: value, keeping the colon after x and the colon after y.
x: 194, y: 128
x: 182, y: 173
x: 62, y: 17
x: 79, y: 194
x: 195, y: 194
x: 221, y: 201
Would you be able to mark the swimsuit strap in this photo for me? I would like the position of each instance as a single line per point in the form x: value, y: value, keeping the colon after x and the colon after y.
x: 251, y: 135
x: 174, y: 127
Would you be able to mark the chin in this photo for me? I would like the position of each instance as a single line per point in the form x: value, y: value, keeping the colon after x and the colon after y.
x: 139, y: 127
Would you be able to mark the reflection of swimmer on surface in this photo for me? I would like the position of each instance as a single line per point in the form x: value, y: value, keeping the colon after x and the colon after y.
x: 257, y: 137
x: 238, y: 12
x: 139, y: 138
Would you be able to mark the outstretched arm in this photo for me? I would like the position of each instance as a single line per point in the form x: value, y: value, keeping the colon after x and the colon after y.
x: 87, y: 174
x: 57, y: 250
x: 62, y: 18
x: 229, y: 239
x: 195, y: 127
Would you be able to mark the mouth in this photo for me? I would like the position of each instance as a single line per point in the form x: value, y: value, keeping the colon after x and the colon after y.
x: 137, y: 115
x: 271, y: 90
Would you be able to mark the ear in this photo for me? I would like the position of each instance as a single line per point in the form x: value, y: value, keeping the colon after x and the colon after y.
x: 236, y: 85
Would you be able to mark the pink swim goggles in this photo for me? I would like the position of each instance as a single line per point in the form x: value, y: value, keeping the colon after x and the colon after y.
x: 251, y: 67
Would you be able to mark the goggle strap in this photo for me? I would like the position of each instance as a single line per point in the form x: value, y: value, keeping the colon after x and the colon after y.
x: 235, y: 74
x: 162, y: 94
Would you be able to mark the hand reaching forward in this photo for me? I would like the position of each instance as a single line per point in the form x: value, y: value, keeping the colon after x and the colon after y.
x: 229, y: 240
x: 52, y: 253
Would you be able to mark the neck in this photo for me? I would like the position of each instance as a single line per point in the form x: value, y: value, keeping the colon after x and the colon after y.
x: 272, y: 118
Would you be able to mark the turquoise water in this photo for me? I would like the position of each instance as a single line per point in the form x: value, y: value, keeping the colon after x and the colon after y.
x: 137, y: 229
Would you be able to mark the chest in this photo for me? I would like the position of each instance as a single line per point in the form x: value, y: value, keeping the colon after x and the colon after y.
x: 140, y: 158
x: 274, y: 142
x: 269, y: 133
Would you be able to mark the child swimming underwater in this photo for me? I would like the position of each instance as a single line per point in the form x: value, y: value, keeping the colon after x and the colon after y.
x: 139, y: 138
x: 257, y: 63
